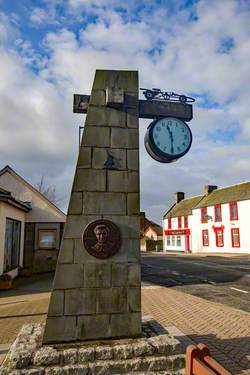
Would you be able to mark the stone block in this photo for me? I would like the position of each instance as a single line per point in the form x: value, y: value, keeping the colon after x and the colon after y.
x: 92, y: 327
x: 124, y: 138
x: 32, y: 371
x: 46, y: 356
x: 120, y: 325
x: 68, y: 276
x: 133, y: 251
x: 76, y: 224
x: 112, y: 300
x: 132, y: 120
x: 128, y: 80
x: 133, y: 204
x: 86, y: 355
x: 104, y: 203
x: 60, y: 329
x: 56, y: 303
x: 104, y: 352
x: 134, y: 299
x: 96, y: 136
x: 70, y: 356
x: 123, y: 351
x: 97, y: 275
x: 66, y: 253
x: 135, y: 326
x: 20, y: 359
x: 80, y: 302
x: 134, y: 274
x: 142, y: 348
x: 133, y: 160
x: 104, y: 116
x: 100, y: 156
x: 89, y: 180
x: 75, y: 204
x: 84, y: 157
x: 119, y: 274
x: 98, y: 97
x: 123, y: 181
x: 128, y: 225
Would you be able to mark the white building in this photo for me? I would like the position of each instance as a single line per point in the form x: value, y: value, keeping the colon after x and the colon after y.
x: 216, y: 222
x: 30, y: 227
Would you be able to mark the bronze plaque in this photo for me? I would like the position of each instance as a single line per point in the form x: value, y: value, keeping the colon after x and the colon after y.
x: 102, y: 238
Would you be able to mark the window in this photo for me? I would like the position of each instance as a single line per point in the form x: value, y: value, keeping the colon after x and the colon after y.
x: 173, y: 240
x: 217, y: 212
x: 205, y: 237
x: 179, y: 221
x: 219, y: 238
x: 204, y: 214
x: 47, y: 238
x: 178, y: 241
x: 235, y: 234
x: 169, y: 223
x: 185, y: 221
x: 233, y: 211
x: 12, y: 244
x: 168, y: 240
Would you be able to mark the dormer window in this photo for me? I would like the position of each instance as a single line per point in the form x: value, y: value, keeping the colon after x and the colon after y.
x: 204, y: 214
x: 217, y: 212
x: 179, y: 222
x: 233, y: 210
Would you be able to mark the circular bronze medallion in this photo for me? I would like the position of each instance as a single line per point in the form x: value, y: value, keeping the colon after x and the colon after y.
x: 102, y: 238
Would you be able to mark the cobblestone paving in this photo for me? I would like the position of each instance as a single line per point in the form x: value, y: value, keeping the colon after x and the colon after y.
x: 226, y: 331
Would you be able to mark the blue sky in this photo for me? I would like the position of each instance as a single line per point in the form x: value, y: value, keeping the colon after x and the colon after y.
x: 50, y: 49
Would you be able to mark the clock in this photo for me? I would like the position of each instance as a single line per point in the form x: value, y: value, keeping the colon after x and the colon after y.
x: 168, y: 139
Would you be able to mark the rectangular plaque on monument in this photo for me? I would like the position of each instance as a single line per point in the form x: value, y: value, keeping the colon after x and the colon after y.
x: 97, y: 286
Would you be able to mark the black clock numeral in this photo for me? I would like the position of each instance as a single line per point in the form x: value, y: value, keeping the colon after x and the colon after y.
x: 163, y: 124
x: 158, y: 143
x: 185, y: 136
x: 158, y: 128
x: 176, y: 125
x: 169, y: 122
x: 165, y: 148
x: 182, y: 130
x: 156, y: 135
x: 183, y: 144
x: 178, y: 148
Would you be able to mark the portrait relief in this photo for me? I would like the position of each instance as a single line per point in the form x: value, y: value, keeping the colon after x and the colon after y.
x: 102, y: 238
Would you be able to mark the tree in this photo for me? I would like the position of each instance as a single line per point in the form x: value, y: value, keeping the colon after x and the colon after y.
x: 48, y: 191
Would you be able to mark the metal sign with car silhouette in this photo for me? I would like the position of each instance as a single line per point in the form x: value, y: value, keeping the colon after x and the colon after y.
x: 158, y: 94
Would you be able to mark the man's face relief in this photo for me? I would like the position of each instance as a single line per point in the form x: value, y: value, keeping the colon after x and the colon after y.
x: 101, y: 235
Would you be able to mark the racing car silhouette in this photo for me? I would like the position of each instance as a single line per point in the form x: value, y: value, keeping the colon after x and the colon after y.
x: 154, y: 94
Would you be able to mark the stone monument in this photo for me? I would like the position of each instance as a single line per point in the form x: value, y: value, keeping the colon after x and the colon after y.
x: 94, y: 323
x: 96, y: 292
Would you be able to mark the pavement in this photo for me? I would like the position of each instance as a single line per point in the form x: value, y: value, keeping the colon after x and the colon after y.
x: 224, y: 329
x: 215, y: 277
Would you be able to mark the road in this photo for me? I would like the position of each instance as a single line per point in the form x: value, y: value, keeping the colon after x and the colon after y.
x: 220, y: 279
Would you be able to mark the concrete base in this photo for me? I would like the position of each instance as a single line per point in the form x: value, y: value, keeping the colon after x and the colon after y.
x: 156, y: 352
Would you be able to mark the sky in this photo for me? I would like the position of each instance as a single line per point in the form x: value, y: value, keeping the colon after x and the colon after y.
x: 50, y: 49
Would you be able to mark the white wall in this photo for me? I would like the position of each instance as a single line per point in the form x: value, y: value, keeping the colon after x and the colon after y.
x: 243, y: 223
x: 42, y: 210
x: 13, y: 213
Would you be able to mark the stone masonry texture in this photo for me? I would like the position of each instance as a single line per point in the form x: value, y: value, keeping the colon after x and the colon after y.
x: 94, y: 298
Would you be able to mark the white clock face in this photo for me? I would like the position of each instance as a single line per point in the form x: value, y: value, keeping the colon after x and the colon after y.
x: 171, y: 136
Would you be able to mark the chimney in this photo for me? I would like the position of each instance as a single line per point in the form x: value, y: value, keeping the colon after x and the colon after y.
x: 179, y: 196
x: 209, y: 188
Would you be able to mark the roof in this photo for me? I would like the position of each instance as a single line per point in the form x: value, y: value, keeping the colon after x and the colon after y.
x: 6, y: 197
x: 157, y: 229
x: 7, y: 168
x: 184, y: 207
x: 146, y: 224
x: 239, y: 192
